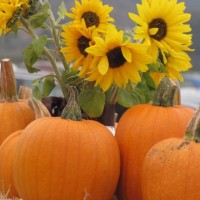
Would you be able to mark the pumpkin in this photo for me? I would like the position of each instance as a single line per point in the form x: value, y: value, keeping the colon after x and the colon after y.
x: 7, y: 150
x: 15, y: 114
x: 171, y: 167
x: 140, y: 127
x: 66, y: 158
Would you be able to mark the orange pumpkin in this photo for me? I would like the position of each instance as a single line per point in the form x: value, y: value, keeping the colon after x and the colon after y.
x: 14, y: 114
x: 171, y: 167
x: 7, y: 150
x: 60, y: 158
x: 140, y: 128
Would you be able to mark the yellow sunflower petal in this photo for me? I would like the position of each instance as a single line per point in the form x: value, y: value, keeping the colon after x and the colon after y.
x: 103, y: 65
x: 127, y: 54
x: 153, y: 31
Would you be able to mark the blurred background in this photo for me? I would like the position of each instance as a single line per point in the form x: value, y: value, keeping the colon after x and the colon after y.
x: 12, y: 46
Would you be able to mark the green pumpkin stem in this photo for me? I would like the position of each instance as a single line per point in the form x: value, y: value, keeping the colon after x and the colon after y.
x: 72, y: 109
x: 7, y: 82
x: 192, y: 132
x: 164, y: 94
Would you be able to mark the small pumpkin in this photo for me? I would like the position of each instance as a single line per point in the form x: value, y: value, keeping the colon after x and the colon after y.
x: 66, y: 158
x: 140, y: 128
x: 171, y: 167
x: 7, y: 150
x: 15, y: 114
x: 8, y: 147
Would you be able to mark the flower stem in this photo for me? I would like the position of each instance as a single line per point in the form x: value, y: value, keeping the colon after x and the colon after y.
x: 111, y: 97
x: 48, y: 55
x: 56, y: 39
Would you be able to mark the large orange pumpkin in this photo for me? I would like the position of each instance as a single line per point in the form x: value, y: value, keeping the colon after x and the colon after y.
x: 60, y: 158
x: 171, y: 167
x: 140, y: 128
x: 15, y: 114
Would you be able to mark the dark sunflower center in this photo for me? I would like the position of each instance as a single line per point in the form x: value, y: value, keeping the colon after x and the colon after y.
x: 115, y: 58
x: 83, y: 43
x: 162, y: 28
x: 91, y: 19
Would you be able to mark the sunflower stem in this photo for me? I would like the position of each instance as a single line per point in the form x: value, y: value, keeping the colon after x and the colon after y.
x: 111, y: 97
x: 56, y: 39
x: 164, y: 94
x: 46, y: 53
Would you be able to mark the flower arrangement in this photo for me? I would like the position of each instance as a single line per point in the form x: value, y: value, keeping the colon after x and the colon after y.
x: 106, y: 64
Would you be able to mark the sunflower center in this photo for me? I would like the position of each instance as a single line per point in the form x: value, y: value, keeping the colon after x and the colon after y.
x: 91, y: 19
x: 83, y: 43
x: 115, y: 58
x: 162, y: 28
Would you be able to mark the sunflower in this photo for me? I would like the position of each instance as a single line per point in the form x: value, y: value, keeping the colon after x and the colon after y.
x: 76, y: 41
x: 10, y: 11
x: 175, y: 64
x: 93, y: 13
x: 117, y: 60
x: 161, y: 24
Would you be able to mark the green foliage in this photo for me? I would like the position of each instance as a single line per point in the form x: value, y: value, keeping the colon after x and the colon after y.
x: 34, y: 52
x: 136, y: 94
x: 42, y: 87
x: 71, y: 78
x: 157, y: 67
x: 48, y: 86
x: 62, y: 10
x: 38, y: 19
x: 35, y: 6
x: 92, y: 102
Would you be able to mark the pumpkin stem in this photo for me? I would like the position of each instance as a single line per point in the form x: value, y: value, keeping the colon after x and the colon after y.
x: 177, y: 95
x: 7, y: 82
x: 72, y: 109
x: 24, y: 92
x: 192, y: 132
x: 38, y: 107
x: 164, y: 94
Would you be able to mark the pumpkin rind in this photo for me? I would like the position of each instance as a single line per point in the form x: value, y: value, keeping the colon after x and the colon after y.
x: 7, y: 150
x: 64, y: 159
x: 14, y: 116
x: 141, y: 127
x: 171, y: 171
x: 171, y: 167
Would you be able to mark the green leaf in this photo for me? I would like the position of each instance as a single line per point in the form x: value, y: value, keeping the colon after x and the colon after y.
x: 48, y: 86
x: 34, y: 52
x: 131, y: 95
x: 62, y: 10
x: 149, y: 81
x: 36, y: 92
x: 157, y: 67
x: 38, y: 19
x: 92, y: 102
